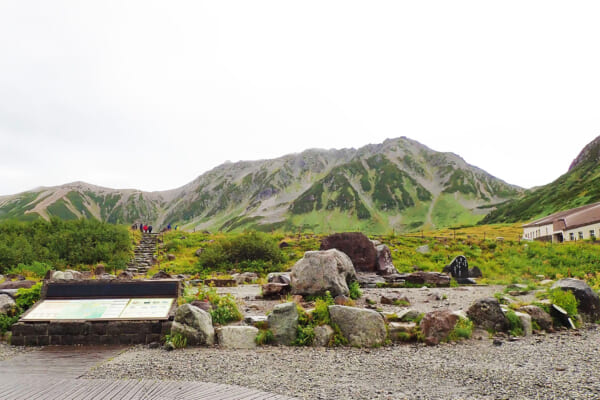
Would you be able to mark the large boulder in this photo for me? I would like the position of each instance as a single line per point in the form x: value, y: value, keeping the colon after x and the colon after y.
x: 539, y: 316
x: 487, y: 314
x: 237, y: 337
x: 17, y: 284
x: 384, y: 260
x: 7, y: 304
x: 437, y: 325
x: 321, y: 271
x: 361, y: 327
x: 195, y: 324
x: 589, y: 303
x: 283, y: 323
x: 357, y: 246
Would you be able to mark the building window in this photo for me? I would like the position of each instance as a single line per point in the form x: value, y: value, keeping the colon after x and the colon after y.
x: 592, y: 234
x: 571, y: 236
x: 580, y: 235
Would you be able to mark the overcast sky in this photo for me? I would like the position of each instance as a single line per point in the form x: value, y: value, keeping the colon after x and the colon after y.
x: 149, y: 95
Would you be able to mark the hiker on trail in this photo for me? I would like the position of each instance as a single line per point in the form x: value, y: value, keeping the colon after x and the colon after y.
x: 169, y: 227
x: 141, y: 227
x: 149, y: 228
x: 145, y: 228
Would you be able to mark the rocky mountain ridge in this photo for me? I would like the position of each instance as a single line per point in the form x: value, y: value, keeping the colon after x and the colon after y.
x: 399, y: 184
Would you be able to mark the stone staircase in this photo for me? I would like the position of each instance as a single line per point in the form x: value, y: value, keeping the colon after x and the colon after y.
x: 143, y: 254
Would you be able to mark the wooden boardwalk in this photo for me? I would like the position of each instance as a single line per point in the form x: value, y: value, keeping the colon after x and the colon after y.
x: 52, y: 373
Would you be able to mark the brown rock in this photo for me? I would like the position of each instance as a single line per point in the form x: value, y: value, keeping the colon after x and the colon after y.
x: 125, y: 275
x: 17, y: 284
x: 161, y: 275
x: 431, y: 278
x: 202, y: 304
x: 99, y: 270
x: 395, y: 299
x: 357, y: 246
x: 541, y: 317
x: 437, y: 325
x: 275, y: 290
x: 341, y: 300
x: 171, y: 257
x: 487, y: 314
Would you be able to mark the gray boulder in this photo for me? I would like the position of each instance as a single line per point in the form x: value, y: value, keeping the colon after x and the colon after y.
x: 589, y: 303
x: 384, y: 260
x: 283, y: 322
x: 195, y: 324
x: 237, y: 337
x: 6, y: 304
x: 525, y: 323
x: 323, y: 335
x: 321, y: 271
x: 361, y: 327
x: 487, y: 314
x: 539, y: 316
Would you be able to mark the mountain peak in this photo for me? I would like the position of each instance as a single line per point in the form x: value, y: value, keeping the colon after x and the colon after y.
x: 590, y: 153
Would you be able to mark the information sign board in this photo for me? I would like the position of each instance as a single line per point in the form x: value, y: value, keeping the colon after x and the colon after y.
x: 100, y: 309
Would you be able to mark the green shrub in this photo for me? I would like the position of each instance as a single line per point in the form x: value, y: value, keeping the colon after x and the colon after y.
x: 27, y: 297
x: 177, y: 340
x: 224, y: 308
x: 264, y: 337
x: 250, y: 251
x: 305, y: 336
x: 516, y: 328
x: 355, y: 291
x: 6, y: 321
x: 564, y: 299
x: 462, y: 330
x: 35, y: 269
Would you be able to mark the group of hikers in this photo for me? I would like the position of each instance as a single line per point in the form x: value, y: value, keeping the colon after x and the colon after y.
x: 145, y: 228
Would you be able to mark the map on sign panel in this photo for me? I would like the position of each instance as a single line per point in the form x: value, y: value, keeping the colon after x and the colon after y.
x: 100, y: 309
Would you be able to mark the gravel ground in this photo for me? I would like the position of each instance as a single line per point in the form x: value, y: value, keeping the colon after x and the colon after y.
x: 7, y: 351
x: 564, y: 365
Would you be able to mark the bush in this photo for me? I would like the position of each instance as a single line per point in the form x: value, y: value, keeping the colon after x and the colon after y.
x: 27, y: 297
x: 177, y: 340
x: 35, y: 269
x: 264, y: 337
x: 564, y: 299
x: 516, y: 328
x: 249, y: 251
x: 224, y: 308
x: 462, y: 330
x: 355, y: 291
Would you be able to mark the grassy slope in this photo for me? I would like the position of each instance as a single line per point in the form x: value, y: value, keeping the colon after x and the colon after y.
x: 507, y: 261
x: 576, y: 188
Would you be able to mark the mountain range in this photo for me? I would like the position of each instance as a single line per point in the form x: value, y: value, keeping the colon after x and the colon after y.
x: 398, y: 185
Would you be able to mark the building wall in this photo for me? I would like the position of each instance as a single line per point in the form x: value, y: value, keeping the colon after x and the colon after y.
x: 536, y: 232
x: 583, y: 232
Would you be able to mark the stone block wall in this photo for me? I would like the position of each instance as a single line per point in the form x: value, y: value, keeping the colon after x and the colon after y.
x: 88, y: 332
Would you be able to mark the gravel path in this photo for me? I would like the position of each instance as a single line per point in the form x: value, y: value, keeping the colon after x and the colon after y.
x: 564, y: 365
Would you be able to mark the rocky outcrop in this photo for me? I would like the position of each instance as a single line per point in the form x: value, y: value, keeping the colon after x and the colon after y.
x: 539, y: 316
x: 437, y: 325
x: 194, y: 324
x: 161, y: 275
x: 589, y: 303
x: 361, y: 327
x: 321, y: 271
x: 283, y: 323
x: 355, y: 245
x: 486, y: 313
x: 237, y: 337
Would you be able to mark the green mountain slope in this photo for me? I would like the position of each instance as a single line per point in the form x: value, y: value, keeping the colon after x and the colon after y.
x: 578, y: 187
x: 399, y: 184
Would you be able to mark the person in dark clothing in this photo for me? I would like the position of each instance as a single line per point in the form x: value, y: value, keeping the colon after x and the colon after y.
x: 149, y: 228
x: 141, y: 227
